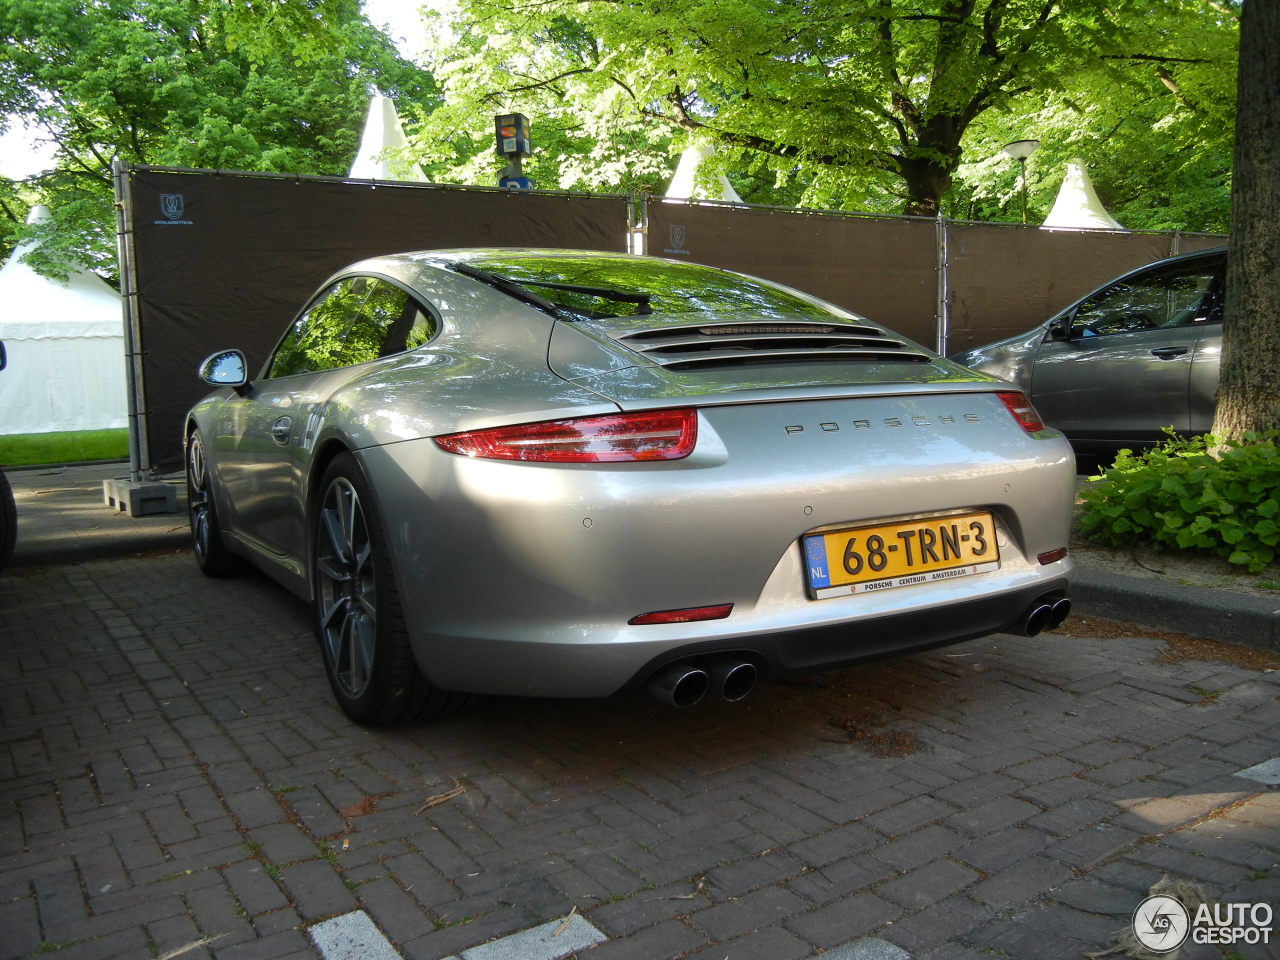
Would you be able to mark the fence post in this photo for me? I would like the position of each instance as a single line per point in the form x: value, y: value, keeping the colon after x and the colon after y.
x: 942, y: 318
x: 139, y: 449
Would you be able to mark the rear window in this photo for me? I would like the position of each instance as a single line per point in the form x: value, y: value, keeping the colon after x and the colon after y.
x: 687, y: 290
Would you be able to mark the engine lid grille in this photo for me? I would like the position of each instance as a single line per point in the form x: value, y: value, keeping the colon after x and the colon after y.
x: 738, y: 342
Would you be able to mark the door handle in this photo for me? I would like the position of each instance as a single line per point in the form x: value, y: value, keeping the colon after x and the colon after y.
x: 281, y: 429
x: 1168, y: 353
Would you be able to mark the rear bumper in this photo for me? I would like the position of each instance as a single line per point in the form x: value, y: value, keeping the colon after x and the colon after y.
x: 809, y: 649
x: 601, y: 665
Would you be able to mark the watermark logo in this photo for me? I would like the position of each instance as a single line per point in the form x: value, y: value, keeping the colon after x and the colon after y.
x: 1161, y: 923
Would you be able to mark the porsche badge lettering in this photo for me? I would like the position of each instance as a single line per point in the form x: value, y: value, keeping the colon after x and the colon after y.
x: 830, y: 426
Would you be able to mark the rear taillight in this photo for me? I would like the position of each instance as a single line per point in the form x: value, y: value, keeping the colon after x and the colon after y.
x: 653, y: 435
x: 1022, y: 411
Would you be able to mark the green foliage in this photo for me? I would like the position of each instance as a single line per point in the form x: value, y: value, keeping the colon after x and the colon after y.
x: 587, y: 133
x: 1206, y: 493
x: 272, y: 85
x: 866, y: 105
x: 1154, y: 126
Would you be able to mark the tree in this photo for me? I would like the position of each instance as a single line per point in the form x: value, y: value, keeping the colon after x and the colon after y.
x: 587, y: 133
x: 1157, y: 139
x: 273, y: 86
x: 1249, y: 391
x: 867, y: 103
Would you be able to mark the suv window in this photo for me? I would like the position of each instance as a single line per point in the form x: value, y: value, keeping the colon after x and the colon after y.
x: 1170, y: 297
x: 354, y: 321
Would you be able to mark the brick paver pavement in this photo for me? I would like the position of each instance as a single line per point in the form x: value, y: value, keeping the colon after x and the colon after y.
x: 175, y: 772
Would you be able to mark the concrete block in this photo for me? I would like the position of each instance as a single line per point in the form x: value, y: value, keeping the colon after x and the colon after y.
x: 140, y: 498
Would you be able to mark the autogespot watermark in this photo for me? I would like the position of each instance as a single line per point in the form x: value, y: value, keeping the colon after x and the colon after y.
x: 1162, y: 924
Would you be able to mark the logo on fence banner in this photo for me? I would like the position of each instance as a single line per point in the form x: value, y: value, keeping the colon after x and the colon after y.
x: 173, y: 206
x: 675, y: 236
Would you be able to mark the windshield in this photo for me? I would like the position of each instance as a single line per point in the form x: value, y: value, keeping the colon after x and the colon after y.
x: 596, y: 287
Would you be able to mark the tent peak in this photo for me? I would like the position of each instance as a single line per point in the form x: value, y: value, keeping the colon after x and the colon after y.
x: 22, y: 288
x: 1077, y: 204
x: 684, y: 184
x: 383, y: 134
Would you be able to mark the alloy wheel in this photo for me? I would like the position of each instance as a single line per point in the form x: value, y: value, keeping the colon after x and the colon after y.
x: 198, y: 499
x: 346, y: 592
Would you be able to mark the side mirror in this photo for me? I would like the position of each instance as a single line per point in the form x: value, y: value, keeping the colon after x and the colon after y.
x: 226, y: 368
x: 1060, y: 326
x: 3, y: 359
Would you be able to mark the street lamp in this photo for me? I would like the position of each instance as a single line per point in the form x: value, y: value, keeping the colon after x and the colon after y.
x: 1020, y: 150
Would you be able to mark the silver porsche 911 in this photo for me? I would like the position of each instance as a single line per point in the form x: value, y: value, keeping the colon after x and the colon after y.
x: 569, y: 474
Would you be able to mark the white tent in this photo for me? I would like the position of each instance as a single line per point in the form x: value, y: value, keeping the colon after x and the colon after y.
x: 684, y: 187
x: 65, y: 344
x: 1077, y: 204
x: 383, y: 133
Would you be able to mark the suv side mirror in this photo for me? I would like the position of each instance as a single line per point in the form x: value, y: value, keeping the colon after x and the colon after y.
x: 1060, y: 326
x: 3, y: 359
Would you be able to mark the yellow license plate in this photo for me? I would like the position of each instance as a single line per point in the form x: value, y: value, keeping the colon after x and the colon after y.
x: 869, y: 559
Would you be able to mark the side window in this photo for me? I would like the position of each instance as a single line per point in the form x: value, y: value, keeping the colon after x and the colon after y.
x: 356, y: 320
x: 1173, y: 297
x: 392, y: 321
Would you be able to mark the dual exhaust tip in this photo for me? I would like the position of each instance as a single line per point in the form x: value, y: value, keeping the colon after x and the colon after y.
x: 1046, y: 613
x: 684, y: 683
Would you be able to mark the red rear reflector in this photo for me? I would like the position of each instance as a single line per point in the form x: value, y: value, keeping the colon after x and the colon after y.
x: 687, y: 615
x: 1022, y: 411
x: 1053, y: 556
x: 652, y: 435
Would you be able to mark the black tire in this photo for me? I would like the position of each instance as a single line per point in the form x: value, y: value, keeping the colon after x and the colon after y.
x: 356, y: 610
x: 8, y: 521
x: 212, y: 556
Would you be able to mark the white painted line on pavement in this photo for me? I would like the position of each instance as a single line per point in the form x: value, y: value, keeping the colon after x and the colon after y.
x: 1268, y: 771
x: 867, y: 948
x: 352, y: 936
x: 550, y: 941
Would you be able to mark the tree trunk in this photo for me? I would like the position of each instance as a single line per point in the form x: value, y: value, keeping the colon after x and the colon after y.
x: 927, y: 166
x: 927, y: 183
x: 1249, y: 391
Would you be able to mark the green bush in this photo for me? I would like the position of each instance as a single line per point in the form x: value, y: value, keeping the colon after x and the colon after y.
x: 1180, y: 494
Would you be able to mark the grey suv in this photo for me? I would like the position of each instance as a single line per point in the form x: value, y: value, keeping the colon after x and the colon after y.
x: 1119, y: 365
